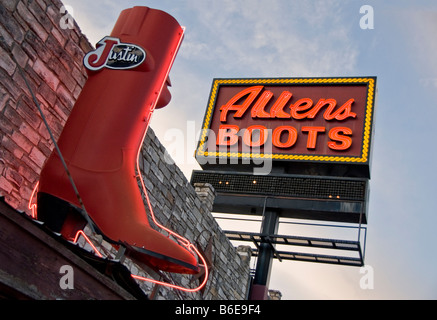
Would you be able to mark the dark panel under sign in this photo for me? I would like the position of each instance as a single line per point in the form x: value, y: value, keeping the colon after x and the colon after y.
x: 293, y: 196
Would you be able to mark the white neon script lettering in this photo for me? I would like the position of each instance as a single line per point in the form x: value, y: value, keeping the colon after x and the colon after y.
x: 113, y: 54
x: 97, y: 59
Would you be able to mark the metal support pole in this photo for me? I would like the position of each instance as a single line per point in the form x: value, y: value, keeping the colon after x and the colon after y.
x: 266, y: 254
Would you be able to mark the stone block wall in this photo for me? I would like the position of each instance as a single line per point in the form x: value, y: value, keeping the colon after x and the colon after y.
x: 51, y: 58
x: 31, y: 37
x: 187, y: 211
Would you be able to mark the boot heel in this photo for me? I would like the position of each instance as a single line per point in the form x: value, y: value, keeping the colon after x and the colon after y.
x: 59, y: 216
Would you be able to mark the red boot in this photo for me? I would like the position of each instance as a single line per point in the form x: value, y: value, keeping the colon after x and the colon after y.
x: 103, y: 134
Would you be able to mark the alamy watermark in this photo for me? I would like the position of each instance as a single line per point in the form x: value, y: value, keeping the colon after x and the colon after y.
x: 367, y: 19
x: 67, y: 19
x: 66, y: 282
x: 179, y: 143
x: 367, y: 280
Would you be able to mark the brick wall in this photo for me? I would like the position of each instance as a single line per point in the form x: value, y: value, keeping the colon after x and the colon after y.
x: 51, y: 58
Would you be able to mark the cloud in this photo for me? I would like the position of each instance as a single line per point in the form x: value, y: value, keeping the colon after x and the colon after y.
x: 251, y: 38
x: 271, y: 38
x: 418, y: 26
x: 95, y: 18
x: 429, y: 82
x: 423, y: 27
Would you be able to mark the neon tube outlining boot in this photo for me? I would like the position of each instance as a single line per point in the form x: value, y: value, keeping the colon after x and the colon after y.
x: 128, y: 78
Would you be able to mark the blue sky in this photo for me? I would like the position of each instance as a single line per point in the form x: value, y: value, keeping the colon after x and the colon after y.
x: 284, y: 38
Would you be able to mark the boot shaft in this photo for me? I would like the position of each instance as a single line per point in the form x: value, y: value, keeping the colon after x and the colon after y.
x: 114, y: 108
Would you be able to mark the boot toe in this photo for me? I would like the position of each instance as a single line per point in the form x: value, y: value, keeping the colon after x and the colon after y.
x: 161, y: 252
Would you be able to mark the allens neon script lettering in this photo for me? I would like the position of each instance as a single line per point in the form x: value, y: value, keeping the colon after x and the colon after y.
x: 301, y: 109
x: 252, y: 101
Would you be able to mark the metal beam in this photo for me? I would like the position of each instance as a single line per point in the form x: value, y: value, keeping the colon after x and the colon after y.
x: 266, y: 251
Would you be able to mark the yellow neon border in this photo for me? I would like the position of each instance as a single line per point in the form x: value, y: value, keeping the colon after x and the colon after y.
x: 367, y: 125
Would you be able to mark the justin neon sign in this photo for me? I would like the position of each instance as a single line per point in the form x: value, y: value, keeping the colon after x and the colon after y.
x: 113, y: 54
x: 302, y: 119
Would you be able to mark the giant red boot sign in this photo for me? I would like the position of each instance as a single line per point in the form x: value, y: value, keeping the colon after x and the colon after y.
x: 128, y: 78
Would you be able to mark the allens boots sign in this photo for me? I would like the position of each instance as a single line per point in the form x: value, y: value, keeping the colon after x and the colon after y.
x: 322, y: 120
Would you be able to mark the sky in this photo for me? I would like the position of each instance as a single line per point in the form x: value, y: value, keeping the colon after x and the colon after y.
x: 320, y: 38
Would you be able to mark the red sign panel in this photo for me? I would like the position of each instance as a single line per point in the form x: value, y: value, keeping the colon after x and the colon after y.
x: 294, y: 119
